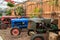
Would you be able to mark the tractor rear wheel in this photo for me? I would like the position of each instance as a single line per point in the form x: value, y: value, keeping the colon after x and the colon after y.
x: 15, y: 31
x: 37, y: 37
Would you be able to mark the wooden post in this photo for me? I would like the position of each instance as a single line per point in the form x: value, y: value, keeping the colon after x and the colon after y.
x: 12, y: 12
x: 59, y: 24
x: 29, y: 25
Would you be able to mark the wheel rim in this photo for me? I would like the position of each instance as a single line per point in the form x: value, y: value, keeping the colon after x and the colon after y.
x: 38, y: 38
x: 31, y: 32
x: 15, y: 32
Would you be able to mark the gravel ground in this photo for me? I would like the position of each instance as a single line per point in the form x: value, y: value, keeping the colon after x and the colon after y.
x: 5, y: 34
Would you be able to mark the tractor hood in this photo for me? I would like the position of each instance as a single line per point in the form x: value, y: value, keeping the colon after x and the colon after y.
x: 19, y: 19
x: 36, y: 19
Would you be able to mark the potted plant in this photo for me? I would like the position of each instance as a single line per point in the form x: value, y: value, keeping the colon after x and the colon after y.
x: 20, y: 11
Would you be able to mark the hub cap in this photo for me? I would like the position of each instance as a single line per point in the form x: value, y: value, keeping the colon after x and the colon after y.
x: 15, y: 32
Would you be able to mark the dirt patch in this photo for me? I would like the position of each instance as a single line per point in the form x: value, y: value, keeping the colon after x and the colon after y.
x: 5, y: 34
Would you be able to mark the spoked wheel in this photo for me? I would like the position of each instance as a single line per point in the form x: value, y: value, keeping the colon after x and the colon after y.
x: 15, y: 32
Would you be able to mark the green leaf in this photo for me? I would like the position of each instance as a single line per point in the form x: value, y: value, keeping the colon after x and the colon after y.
x: 20, y: 11
x: 36, y: 10
x: 41, y: 10
x: 53, y: 2
x: 56, y: 2
x: 41, y: 2
x: 8, y: 12
x: 33, y: 16
x: 10, y: 4
x: 0, y: 14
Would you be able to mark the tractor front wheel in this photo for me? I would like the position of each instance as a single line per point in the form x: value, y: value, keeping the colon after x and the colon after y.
x: 15, y: 31
x: 31, y: 32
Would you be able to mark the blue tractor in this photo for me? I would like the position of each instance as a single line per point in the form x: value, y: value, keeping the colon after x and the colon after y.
x: 17, y: 25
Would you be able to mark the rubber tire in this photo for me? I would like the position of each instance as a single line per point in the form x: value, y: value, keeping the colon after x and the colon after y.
x: 37, y: 36
x: 29, y: 31
x: 13, y: 29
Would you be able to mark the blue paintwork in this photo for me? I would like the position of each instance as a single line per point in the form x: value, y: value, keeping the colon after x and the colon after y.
x: 17, y: 22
